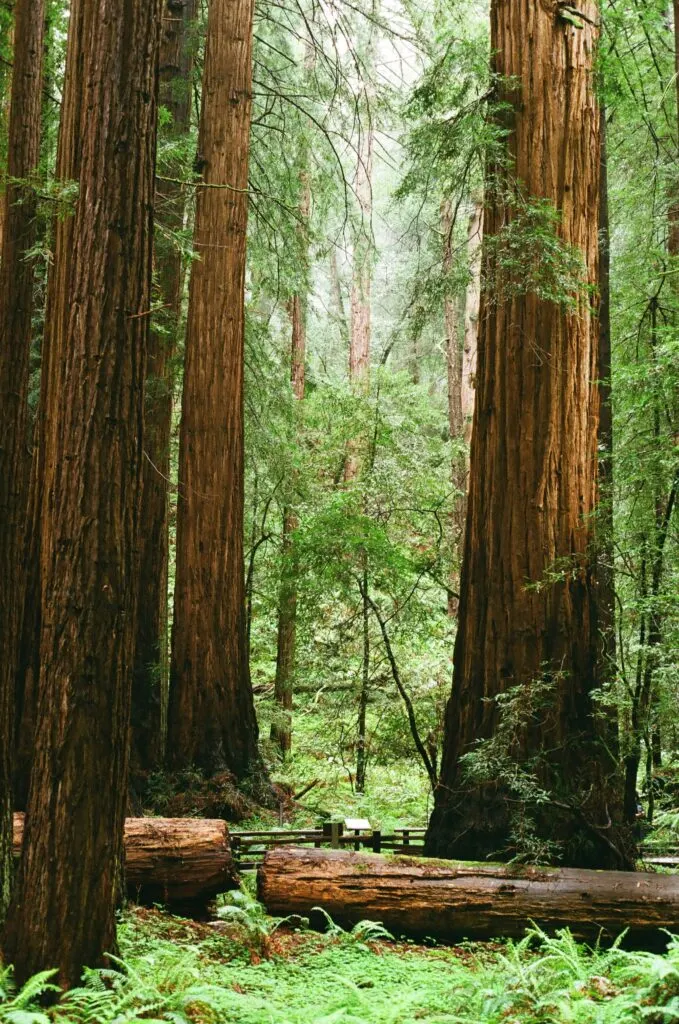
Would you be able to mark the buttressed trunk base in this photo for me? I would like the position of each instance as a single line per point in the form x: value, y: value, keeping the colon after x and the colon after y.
x: 528, y: 619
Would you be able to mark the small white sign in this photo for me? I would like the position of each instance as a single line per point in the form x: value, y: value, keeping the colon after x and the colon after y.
x: 357, y: 824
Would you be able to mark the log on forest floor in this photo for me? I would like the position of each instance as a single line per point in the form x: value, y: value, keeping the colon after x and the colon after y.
x: 181, y: 862
x: 448, y: 900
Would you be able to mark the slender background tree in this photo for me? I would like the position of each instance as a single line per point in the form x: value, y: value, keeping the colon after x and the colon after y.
x: 212, y: 722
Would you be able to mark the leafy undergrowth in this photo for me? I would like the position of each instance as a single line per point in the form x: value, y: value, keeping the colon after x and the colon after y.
x: 247, y: 968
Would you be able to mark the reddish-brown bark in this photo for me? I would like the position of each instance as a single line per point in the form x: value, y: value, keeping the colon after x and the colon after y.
x: 149, y: 684
x: 183, y: 862
x: 63, y: 909
x: 211, y: 722
x: 359, y: 350
x: 16, y: 306
x: 533, y: 479
x: 281, y: 730
x: 448, y: 900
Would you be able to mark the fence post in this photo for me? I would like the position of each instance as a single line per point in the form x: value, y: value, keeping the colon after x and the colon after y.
x: 235, y: 850
x: 377, y: 840
x: 406, y: 837
x: 335, y: 833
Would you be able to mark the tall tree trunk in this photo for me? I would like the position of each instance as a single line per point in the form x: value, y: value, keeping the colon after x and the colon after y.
x: 471, y: 323
x: 461, y: 368
x: 16, y: 306
x: 28, y: 659
x: 63, y: 909
x: 605, y: 552
x: 149, y: 683
x: 281, y: 730
x: 359, y: 376
x: 364, y: 695
x: 454, y: 373
x: 359, y: 343
x: 533, y: 478
x: 211, y: 722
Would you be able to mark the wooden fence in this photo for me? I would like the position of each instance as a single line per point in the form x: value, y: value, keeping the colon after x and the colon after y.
x: 249, y: 847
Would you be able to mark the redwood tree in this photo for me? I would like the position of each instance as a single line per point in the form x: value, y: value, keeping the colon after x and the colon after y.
x: 528, y: 613
x: 62, y: 911
x: 211, y: 721
x: 281, y: 728
x: 16, y: 305
x: 149, y: 685
x: 359, y: 374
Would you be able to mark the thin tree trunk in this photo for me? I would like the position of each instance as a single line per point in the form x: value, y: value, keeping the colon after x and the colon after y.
x: 211, y: 722
x: 364, y: 696
x: 16, y: 306
x: 605, y: 568
x: 281, y: 729
x: 673, y: 237
x: 338, y: 300
x: 359, y: 346
x: 150, y: 680
x: 533, y: 483
x: 63, y: 909
x: 359, y: 376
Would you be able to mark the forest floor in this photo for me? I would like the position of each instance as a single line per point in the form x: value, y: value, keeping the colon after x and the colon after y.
x: 246, y: 968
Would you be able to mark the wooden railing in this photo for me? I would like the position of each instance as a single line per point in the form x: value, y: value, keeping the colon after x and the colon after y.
x: 248, y: 848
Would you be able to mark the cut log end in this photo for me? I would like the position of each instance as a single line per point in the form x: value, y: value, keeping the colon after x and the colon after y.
x: 180, y: 862
x: 447, y: 901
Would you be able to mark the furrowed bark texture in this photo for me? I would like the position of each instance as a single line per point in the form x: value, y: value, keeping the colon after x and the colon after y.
x: 533, y: 480
x: 16, y: 306
x: 211, y: 720
x: 63, y: 909
x: 446, y: 900
x: 183, y: 862
x: 149, y: 686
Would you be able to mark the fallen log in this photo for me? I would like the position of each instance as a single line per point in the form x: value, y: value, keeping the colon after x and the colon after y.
x: 445, y: 900
x: 181, y: 862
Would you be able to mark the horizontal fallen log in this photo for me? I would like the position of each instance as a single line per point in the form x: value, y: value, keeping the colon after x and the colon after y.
x: 446, y: 900
x: 181, y: 862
